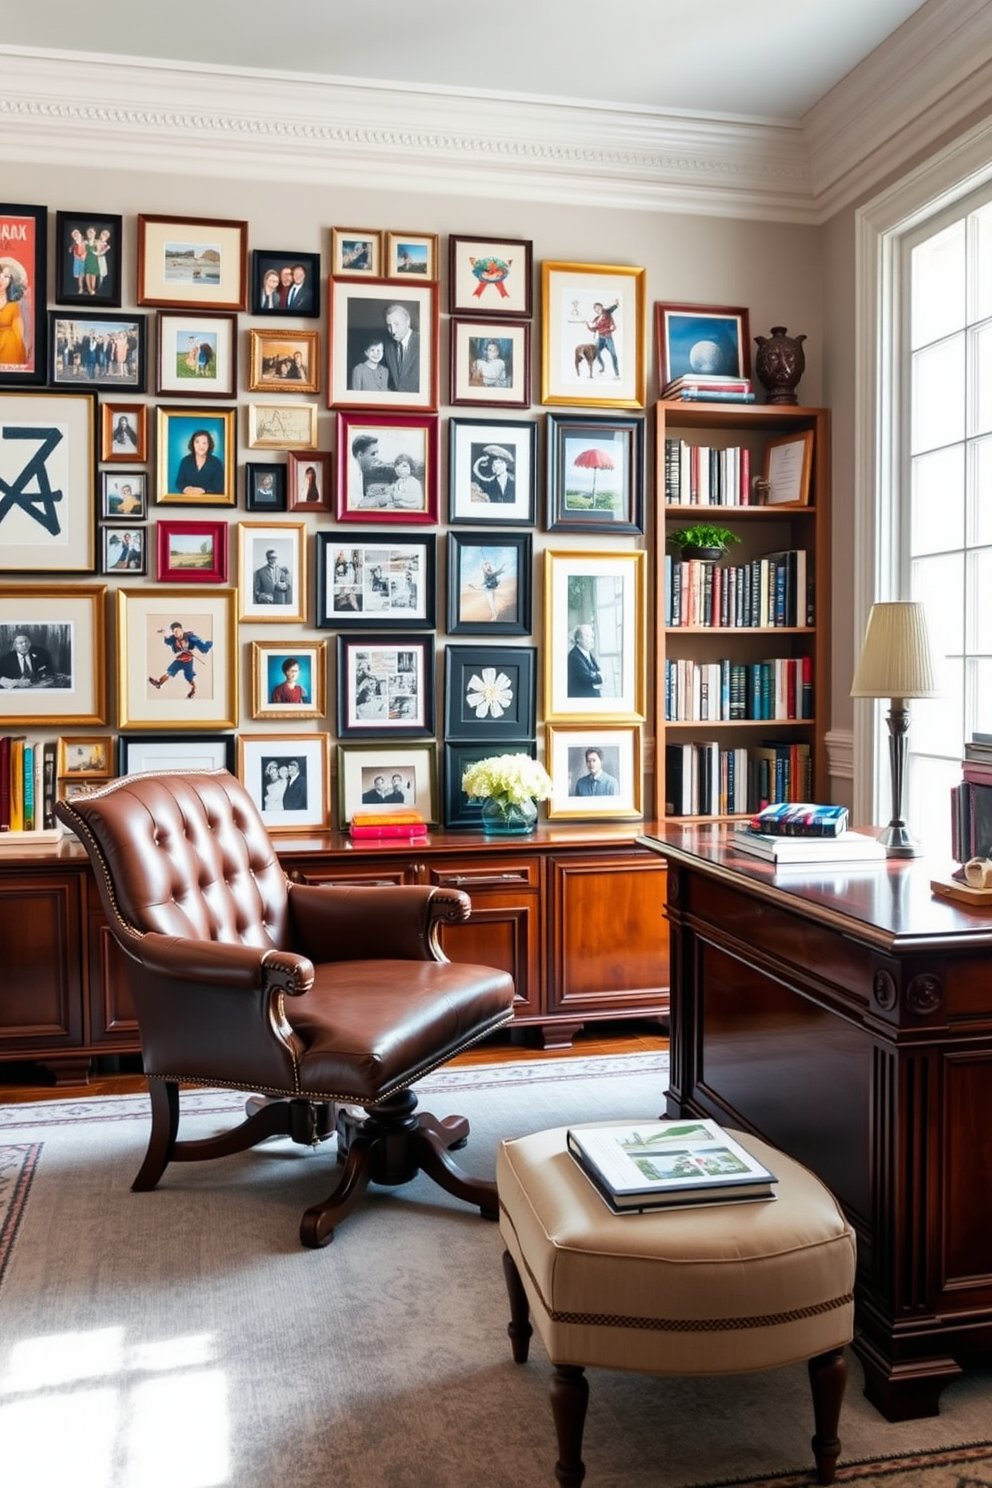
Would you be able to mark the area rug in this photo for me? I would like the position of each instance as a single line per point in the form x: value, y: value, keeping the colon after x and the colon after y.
x: 184, y: 1338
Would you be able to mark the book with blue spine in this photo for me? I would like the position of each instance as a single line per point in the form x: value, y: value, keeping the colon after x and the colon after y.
x: 800, y: 819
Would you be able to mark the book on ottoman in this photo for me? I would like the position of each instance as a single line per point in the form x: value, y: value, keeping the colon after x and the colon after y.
x: 667, y: 1165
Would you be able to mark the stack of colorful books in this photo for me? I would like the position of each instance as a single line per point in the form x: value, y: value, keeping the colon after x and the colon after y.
x: 802, y: 834
x: 372, y: 826
x: 702, y: 389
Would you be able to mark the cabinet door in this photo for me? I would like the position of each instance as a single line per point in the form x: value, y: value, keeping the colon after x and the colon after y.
x: 112, y: 1020
x: 348, y: 871
x: 608, y: 938
x: 41, y: 994
x: 505, y: 928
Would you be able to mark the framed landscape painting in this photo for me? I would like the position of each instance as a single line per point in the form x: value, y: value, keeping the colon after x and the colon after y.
x: 191, y: 552
x: 192, y: 261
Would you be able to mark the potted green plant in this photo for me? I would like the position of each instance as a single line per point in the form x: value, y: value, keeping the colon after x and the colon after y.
x: 702, y: 540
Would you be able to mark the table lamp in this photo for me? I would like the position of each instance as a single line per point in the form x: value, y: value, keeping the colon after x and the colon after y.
x: 896, y: 663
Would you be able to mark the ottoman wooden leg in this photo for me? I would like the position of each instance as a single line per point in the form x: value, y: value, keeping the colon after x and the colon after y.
x: 518, y: 1328
x: 828, y: 1379
x: 569, y: 1401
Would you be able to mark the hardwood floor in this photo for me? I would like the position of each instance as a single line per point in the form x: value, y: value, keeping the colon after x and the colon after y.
x: 27, y: 1082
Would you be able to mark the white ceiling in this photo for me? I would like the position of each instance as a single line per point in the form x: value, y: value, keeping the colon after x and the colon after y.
x: 758, y: 58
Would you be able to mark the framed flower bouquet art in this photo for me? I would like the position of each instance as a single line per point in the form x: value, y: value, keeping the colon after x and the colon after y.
x: 489, y: 692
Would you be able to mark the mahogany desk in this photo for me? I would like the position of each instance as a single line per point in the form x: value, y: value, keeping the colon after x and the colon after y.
x: 846, y: 1017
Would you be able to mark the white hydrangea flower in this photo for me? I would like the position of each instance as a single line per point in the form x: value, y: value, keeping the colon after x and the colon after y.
x: 490, y: 695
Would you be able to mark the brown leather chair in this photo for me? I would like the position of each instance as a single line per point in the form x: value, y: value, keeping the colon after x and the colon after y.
x: 308, y: 997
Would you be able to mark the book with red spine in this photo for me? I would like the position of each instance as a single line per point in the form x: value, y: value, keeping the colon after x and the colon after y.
x: 397, y: 831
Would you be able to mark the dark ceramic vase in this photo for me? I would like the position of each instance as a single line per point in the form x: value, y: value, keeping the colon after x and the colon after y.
x: 779, y: 363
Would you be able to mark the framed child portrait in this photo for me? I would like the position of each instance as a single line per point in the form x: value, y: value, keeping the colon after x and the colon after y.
x: 594, y: 641
x: 123, y: 550
x: 386, y: 468
x: 197, y: 354
x: 385, y: 686
x: 490, y: 276
x: 285, y: 283
x: 123, y: 495
x: 177, y: 662
x: 288, y: 776
x: 196, y: 457
x: 375, y: 580
x: 383, y: 345
x: 88, y: 258
x: 596, y: 773
x: 489, y: 583
x: 490, y: 364
x: 491, y: 472
x: 593, y: 346
x: 288, y: 681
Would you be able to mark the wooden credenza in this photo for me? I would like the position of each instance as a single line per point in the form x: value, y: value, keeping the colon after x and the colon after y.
x: 847, y: 1019
x: 575, y: 915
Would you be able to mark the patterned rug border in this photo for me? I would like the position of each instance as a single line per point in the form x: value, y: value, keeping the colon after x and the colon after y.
x: 18, y: 1166
x: 867, y: 1468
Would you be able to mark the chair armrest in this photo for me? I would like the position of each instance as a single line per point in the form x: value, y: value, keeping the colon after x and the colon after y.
x: 382, y: 923
x: 235, y: 967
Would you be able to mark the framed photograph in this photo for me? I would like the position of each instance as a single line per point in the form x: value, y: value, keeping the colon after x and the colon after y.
x: 177, y: 658
x: 490, y: 276
x: 596, y: 773
x: 490, y: 365
x: 491, y: 472
x: 288, y: 681
x: 309, y: 482
x: 197, y: 354
x: 123, y: 550
x: 282, y: 426
x: 594, y: 333
x: 48, y: 481
x: 285, y: 283
x: 375, y: 579
x: 594, y: 660
x: 411, y: 255
x: 462, y: 811
x: 124, y: 495
x: 284, y: 361
x: 97, y: 351
x: 383, y: 345
x: 386, y: 468
x: 288, y: 776
x: 595, y: 474
x: 490, y: 692
x: 196, y: 457
x: 137, y: 753
x: 384, y: 777
x: 489, y: 583
x: 53, y: 654
x: 193, y: 261
x: 123, y: 432
x: 191, y: 552
x: 702, y: 341
x: 265, y: 487
x: 385, y: 686
x: 787, y: 467
x: 356, y: 252
x: 24, y: 284
x: 88, y: 258
x: 272, y: 572
x: 90, y: 755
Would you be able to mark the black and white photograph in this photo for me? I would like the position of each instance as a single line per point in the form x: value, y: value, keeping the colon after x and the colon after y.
x: 383, y: 345
x: 491, y: 470
x: 596, y: 772
x: 385, y: 687
x: 374, y: 579
x: 272, y: 572
x: 53, y: 655
x: 386, y: 468
x: 288, y: 778
x: 265, y: 487
x: 124, y: 432
x: 379, y: 778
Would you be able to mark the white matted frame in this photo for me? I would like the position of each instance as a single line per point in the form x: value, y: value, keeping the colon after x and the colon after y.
x: 48, y: 475
x: 409, y: 772
x: 489, y: 363
x: 490, y: 276
x: 600, y: 674
x: 67, y: 623
x: 273, y: 591
x: 364, y: 315
x: 177, y: 661
x: 356, y: 252
x: 197, y: 354
x: 197, y: 261
x: 593, y: 347
x: 287, y: 679
x: 139, y: 753
x: 282, y: 426
x: 596, y: 773
x: 289, y: 800
x: 491, y: 472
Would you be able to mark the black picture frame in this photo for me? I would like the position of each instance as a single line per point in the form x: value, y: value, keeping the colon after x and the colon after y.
x: 385, y: 686
x: 84, y: 351
x: 24, y: 235
x: 352, y: 595
x: 178, y: 752
x: 264, y: 260
x: 593, y: 450
x: 462, y: 812
x: 490, y: 692
x: 123, y: 549
x: 490, y: 583
x: 258, y: 496
x: 71, y: 286
x: 492, y: 472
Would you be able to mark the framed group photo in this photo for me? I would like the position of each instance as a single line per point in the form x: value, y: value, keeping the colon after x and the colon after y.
x: 191, y: 552
x: 490, y: 364
x: 124, y: 495
x: 53, y: 654
x: 594, y: 333
x: 490, y: 276
x: 48, y: 480
x: 197, y: 354
x: 596, y: 773
x: 356, y: 252
x: 285, y: 283
x: 265, y: 487
x: 387, y: 468
x: 123, y: 432
x: 192, y: 261
x: 24, y: 281
x: 88, y: 258
x: 272, y: 572
x: 288, y: 681
x: 385, y: 686
x: 462, y: 811
x: 98, y: 351
x: 594, y: 641
x: 177, y: 658
x: 702, y: 341
x: 491, y: 472
x: 595, y: 474
x: 489, y: 583
x: 372, y: 579
x: 490, y: 692
x: 284, y: 361
x: 383, y: 345
x: 138, y: 753
x: 383, y: 777
x: 196, y: 457
x: 288, y: 776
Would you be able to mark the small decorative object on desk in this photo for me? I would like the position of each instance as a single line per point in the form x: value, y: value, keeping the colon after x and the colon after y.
x: 667, y: 1165
x: 800, y: 819
x: 509, y: 787
x: 780, y: 362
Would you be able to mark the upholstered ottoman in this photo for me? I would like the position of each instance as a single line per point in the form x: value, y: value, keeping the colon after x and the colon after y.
x: 712, y: 1289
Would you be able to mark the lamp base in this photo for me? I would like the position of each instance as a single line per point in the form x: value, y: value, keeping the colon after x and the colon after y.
x: 899, y: 842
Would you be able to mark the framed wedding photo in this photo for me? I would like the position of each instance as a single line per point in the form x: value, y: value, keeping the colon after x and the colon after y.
x: 594, y: 642
x: 385, y: 686
x: 490, y: 692
x: 375, y: 579
x: 596, y: 773
x: 265, y: 487
x: 123, y: 550
x: 285, y: 283
x: 594, y: 334
x: 288, y: 776
x: 491, y: 472
x: 123, y: 495
x: 702, y: 341
x: 191, y: 552
x: 387, y: 468
x: 24, y: 233
x: 384, y: 777
x: 411, y: 255
x: 595, y: 474
x: 124, y: 432
x: 196, y: 457
x: 177, y: 658
x: 490, y: 365
x: 308, y: 482
x: 283, y: 361
x: 97, y: 351
x: 272, y: 572
x: 192, y: 261
x: 48, y: 470
x: 356, y: 252
x: 138, y: 753
x: 383, y: 345
x: 197, y: 354
x: 88, y: 258
x: 66, y: 627
x: 288, y: 681
x: 490, y: 276
x: 489, y: 583
x: 462, y: 811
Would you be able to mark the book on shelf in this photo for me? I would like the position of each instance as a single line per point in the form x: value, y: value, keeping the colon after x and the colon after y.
x: 668, y: 1165
x: 377, y: 825
x: 707, y: 395
x: 800, y: 819
x: 712, y: 383
x: 846, y: 847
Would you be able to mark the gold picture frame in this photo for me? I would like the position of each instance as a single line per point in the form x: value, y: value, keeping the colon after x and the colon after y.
x: 86, y: 756
x: 182, y: 479
x: 282, y: 426
x: 284, y: 361
x: 68, y: 623
x: 177, y: 658
x: 586, y: 366
x: 272, y: 670
x: 599, y: 677
x: 608, y: 789
x: 788, y: 467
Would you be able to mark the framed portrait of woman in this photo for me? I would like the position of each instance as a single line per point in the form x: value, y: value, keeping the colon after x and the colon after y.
x: 196, y: 457
x: 23, y: 281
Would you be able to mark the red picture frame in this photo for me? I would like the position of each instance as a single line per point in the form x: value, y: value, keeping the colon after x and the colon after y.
x: 191, y: 552
x: 307, y: 472
x: 372, y: 483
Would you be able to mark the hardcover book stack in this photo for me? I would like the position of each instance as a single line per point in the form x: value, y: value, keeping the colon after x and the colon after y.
x: 712, y: 389
x: 667, y: 1165
x: 400, y: 826
x: 805, y: 835
x: 769, y: 592
x: 697, y: 475
x: 27, y: 787
x: 971, y: 802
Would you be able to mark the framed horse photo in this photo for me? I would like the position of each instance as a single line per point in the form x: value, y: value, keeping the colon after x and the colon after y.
x: 594, y: 334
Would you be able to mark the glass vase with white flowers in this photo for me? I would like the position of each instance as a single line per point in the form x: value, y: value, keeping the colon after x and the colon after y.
x: 509, y: 787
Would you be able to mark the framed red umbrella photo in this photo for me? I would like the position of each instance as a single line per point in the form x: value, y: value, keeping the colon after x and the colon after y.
x: 595, y: 474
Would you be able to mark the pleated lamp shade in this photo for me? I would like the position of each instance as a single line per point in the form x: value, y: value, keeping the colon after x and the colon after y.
x: 896, y: 660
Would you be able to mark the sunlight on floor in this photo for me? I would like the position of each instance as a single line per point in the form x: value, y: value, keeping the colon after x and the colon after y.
x: 85, y: 1409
